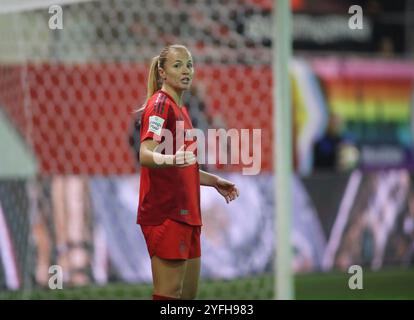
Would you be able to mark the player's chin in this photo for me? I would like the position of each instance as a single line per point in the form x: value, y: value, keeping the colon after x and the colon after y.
x: 184, y: 86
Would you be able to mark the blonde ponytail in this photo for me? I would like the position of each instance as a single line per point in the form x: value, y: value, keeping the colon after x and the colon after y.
x: 154, y: 83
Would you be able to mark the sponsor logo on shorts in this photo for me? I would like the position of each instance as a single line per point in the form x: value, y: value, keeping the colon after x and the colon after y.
x: 184, y: 211
x: 182, y: 246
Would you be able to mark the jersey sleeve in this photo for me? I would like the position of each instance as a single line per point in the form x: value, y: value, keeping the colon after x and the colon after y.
x: 155, y: 119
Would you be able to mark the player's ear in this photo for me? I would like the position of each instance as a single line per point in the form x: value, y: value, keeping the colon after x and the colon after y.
x: 162, y: 74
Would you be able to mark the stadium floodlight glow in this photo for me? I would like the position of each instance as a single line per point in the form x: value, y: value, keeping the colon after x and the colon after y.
x: 282, y: 160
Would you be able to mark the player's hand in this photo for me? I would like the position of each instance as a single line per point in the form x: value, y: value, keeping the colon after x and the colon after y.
x: 184, y: 158
x: 227, y: 189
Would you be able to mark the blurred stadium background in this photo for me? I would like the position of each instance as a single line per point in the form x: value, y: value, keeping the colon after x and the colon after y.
x: 69, y: 178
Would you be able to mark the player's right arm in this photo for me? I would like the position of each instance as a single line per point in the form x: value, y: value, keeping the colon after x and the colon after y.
x: 149, y: 157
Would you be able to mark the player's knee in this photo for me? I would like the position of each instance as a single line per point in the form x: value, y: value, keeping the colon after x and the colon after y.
x: 172, y: 289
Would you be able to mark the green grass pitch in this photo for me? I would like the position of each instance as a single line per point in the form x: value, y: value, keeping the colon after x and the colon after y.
x: 384, y: 284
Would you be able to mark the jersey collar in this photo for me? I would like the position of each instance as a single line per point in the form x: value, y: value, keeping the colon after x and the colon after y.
x: 171, y: 98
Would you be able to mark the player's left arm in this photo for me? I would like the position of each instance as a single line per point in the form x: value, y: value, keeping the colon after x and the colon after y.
x: 226, y: 188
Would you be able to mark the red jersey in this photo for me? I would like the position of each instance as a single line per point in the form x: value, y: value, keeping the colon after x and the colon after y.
x: 170, y: 192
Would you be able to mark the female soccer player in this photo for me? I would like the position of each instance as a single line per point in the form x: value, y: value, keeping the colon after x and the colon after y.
x: 169, y: 199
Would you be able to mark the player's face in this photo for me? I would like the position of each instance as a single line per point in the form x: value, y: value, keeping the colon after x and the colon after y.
x: 178, y: 70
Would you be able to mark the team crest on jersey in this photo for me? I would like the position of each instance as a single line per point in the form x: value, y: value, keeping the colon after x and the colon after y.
x: 155, y: 124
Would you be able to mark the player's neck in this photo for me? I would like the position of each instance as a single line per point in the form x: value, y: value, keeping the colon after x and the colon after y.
x: 177, y: 96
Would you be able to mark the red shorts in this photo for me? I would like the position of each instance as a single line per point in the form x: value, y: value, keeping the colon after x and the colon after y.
x: 173, y: 240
